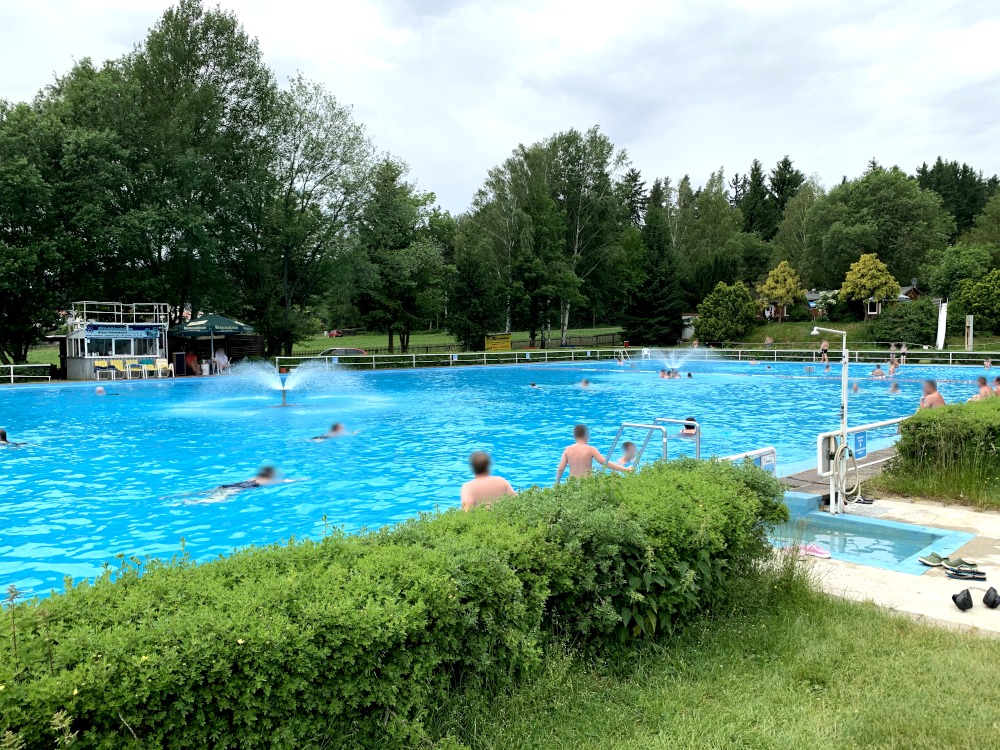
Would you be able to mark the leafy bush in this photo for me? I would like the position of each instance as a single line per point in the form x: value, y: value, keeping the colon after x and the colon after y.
x: 728, y: 313
x: 952, y: 452
x: 352, y: 641
x: 798, y: 314
x: 913, y: 322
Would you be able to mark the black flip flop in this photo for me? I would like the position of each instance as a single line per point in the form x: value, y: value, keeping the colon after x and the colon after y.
x: 963, y: 599
x: 966, y: 574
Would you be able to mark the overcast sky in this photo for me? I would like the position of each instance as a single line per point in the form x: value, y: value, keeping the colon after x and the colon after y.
x: 452, y: 86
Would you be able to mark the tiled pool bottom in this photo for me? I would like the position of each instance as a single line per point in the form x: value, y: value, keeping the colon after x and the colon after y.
x: 889, y: 545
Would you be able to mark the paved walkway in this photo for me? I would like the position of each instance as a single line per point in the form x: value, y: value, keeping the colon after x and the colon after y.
x: 813, y: 484
x: 925, y: 597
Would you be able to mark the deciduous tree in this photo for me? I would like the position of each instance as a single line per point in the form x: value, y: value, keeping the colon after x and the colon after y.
x: 783, y: 287
x: 868, y: 278
x: 728, y: 313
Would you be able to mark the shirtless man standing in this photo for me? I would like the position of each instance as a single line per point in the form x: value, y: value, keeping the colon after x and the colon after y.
x: 931, y: 398
x: 483, y: 489
x: 580, y: 456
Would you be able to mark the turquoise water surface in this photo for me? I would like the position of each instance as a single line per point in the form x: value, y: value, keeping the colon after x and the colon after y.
x: 123, y: 473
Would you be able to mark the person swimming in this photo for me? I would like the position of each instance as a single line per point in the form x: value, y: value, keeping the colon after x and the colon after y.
x: 664, y: 375
x: 690, y: 427
x: 855, y: 388
x: 337, y: 430
x: 585, y: 383
x: 532, y: 385
x: 265, y: 476
x: 894, y: 388
x: 5, y: 442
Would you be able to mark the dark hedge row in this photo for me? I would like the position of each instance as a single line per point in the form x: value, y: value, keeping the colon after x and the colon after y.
x: 350, y: 641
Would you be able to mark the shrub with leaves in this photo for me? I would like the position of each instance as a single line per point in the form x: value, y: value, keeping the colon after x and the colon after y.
x: 352, y: 641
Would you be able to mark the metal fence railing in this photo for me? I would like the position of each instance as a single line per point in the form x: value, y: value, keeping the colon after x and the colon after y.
x: 395, y: 361
x: 602, y: 340
x: 914, y: 356
x: 25, y: 373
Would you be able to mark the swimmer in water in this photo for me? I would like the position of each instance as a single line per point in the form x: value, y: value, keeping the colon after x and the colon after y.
x: 996, y: 385
x: 690, y: 427
x: 336, y: 431
x: 5, y: 443
x: 99, y: 391
x: 855, y: 388
x: 664, y: 375
x: 266, y: 476
x: 984, y: 392
x: 532, y: 385
x: 585, y: 383
x: 878, y: 373
x: 628, y: 455
x: 894, y: 388
x: 690, y: 374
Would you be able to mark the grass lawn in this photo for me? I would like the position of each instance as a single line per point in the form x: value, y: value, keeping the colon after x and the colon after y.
x: 45, y: 354
x: 370, y: 341
x: 798, y: 333
x: 806, y: 672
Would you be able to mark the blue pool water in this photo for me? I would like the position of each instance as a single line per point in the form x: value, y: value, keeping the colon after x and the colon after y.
x: 870, y: 541
x: 102, y: 475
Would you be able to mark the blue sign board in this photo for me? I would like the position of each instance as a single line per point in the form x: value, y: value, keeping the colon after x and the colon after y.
x: 860, y: 444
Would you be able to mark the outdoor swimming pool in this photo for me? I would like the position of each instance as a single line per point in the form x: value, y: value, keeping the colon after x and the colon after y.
x: 106, y: 475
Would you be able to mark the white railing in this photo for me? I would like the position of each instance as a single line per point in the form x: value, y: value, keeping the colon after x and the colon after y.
x: 768, y: 458
x: 812, y: 356
x: 12, y: 373
x: 386, y: 361
x: 807, y: 356
x: 832, y: 458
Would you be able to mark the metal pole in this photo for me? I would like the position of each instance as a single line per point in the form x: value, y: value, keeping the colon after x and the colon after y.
x: 836, y: 503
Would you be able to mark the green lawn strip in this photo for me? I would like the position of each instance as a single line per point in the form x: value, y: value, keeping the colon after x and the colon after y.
x: 436, y: 338
x: 813, y: 672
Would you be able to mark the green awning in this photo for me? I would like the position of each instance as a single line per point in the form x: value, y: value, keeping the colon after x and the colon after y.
x: 210, y: 325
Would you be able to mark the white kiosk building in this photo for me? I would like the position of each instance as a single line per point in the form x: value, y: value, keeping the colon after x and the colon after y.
x: 117, y: 340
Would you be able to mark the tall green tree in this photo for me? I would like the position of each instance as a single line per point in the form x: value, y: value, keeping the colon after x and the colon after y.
x: 204, y: 99
x: 784, y: 183
x: 400, y: 288
x: 295, y: 244
x: 657, y: 302
x: 789, y: 244
x: 582, y: 172
x: 947, y: 268
x: 869, y: 278
x: 986, y: 229
x: 883, y: 212
x: 963, y: 190
x: 756, y: 205
x: 782, y: 286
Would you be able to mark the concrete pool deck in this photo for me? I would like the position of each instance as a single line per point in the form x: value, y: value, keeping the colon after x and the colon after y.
x: 925, y: 597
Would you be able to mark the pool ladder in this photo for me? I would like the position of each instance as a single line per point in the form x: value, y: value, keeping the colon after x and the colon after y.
x: 658, y: 425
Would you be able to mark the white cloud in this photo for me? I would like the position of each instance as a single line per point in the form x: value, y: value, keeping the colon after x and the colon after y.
x: 452, y: 86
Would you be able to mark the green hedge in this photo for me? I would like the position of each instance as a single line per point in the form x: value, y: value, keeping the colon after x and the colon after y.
x: 352, y: 640
x: 950, y: 452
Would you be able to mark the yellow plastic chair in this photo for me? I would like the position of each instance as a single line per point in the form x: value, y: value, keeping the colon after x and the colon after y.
x: 163, y: 368
x: 119, y: 366
x: 101, y: 367
x: 148, y: 368
x: 133, y: 369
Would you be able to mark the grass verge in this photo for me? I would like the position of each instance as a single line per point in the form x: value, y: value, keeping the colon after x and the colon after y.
x: 435, y: 338
x: 798, y: 333
x: 798, y: 670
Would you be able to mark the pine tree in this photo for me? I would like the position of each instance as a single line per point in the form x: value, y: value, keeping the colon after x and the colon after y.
x: 757, y: 210
x: 783, y: 185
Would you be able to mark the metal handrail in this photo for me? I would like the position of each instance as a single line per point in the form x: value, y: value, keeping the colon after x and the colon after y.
x: 823, y: 455
x: 759, y: 452
x: 685, y: 422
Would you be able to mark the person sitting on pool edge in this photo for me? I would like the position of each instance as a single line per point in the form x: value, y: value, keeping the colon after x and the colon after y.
x: 580, y: 456
x: 984, y: 392
x: 483, y: 489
